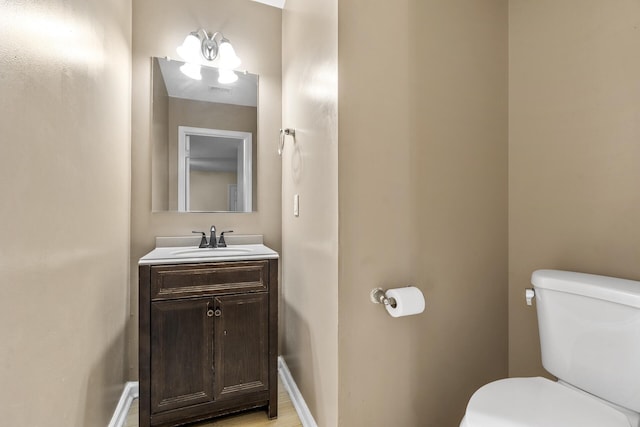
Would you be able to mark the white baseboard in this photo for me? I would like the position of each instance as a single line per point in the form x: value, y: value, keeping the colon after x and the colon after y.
x: 130, y: 392
x: 296, y: 397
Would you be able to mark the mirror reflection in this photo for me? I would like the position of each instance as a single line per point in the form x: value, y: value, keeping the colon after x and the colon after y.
x: 203, y: 140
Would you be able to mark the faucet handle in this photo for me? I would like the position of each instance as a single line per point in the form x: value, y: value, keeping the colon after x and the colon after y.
x: 222, y: 243
x: 203, y: 240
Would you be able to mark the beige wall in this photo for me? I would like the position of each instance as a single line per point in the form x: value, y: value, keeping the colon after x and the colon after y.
x: 209, y: 190
x: 309, y: 168
x: 573, y: 149
x: 64, y: 180
x: 423, y: 201
x: 255, y: 31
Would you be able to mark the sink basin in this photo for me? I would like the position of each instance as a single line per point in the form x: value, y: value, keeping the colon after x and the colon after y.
x: 210, y: 252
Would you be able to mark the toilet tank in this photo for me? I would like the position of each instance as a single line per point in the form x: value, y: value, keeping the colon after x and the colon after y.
x: 590, y: 333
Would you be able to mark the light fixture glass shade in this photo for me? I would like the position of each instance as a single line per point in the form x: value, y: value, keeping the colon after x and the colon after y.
x: 192, y: 70
x: 228, y: 58
x: 226, y: 76
x: 189, y: 50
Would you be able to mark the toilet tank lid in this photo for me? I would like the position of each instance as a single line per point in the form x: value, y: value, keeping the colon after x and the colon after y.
x: 620, y: 291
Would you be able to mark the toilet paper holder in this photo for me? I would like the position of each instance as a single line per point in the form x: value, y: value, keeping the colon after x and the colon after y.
x: 379, y: 296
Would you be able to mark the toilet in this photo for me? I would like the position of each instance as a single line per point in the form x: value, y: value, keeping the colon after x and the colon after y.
x: 590, y: 340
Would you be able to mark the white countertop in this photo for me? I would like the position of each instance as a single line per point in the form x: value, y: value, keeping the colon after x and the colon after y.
x: 191, y: 254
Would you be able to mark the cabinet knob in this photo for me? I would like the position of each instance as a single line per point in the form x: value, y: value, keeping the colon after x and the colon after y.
x: 209, y: 313
x: 218, y: 312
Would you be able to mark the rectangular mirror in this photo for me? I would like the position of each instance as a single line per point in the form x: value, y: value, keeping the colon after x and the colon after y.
x: 203, y: 140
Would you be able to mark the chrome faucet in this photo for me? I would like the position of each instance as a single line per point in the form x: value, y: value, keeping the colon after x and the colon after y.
x: 213, y: 242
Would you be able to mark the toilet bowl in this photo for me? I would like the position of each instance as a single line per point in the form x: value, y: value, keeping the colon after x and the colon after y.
x: 590, y: 339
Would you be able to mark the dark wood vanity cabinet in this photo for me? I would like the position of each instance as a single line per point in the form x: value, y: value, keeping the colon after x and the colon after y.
x: 208, y: 340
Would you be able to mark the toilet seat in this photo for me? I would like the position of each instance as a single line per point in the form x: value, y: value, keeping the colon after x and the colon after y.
x: 537, y: 402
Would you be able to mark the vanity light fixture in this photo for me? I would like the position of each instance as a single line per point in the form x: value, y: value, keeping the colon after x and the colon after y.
x: 201, y: 48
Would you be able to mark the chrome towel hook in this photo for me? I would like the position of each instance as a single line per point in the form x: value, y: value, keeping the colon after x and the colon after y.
x: 283, y: 134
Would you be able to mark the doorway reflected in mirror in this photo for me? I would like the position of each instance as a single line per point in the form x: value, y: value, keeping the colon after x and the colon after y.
x: 214, y: 170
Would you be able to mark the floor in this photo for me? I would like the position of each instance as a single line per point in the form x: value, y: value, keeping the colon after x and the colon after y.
x: 287, y: 416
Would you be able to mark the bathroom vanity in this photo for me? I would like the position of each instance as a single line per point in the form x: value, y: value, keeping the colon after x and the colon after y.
x: 208, y: 322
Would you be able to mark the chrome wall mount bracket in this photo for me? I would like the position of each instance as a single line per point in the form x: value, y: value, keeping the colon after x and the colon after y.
x: 378, y: 296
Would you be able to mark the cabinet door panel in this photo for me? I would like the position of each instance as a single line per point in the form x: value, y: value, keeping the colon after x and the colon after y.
x: 181, y: 353
x: 241, y: 349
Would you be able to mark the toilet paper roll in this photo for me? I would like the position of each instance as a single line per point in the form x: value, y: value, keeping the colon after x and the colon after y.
x: 409, y: 301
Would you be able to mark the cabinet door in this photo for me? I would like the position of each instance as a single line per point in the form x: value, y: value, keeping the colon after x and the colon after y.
x: 181, y: 353
x: 241, y: 344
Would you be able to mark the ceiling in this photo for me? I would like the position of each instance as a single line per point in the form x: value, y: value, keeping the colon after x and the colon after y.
x: 274, y: 3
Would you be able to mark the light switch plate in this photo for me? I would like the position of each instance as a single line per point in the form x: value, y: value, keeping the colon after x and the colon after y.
x: 296, y: 205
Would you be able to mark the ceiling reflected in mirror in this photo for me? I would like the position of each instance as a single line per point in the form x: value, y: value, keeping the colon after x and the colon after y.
x: 242, y: 92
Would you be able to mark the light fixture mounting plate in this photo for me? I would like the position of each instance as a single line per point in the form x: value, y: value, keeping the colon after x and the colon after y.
x: 209, y: 49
